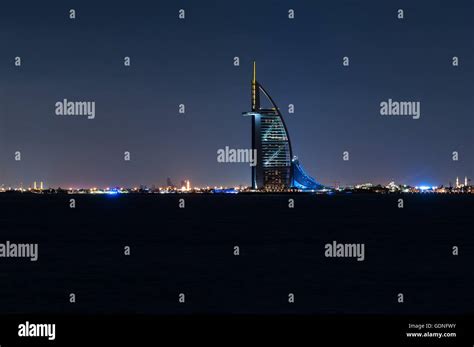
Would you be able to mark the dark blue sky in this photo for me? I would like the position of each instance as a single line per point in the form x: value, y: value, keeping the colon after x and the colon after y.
x: 191, y: 62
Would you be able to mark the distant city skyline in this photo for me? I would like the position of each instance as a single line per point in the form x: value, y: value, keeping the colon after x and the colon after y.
x: 191, y: 62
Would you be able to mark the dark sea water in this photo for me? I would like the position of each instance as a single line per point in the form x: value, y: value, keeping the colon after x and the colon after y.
x: 191, y: 251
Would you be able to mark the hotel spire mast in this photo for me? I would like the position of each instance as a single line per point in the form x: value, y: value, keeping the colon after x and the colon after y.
x: 255, y: 90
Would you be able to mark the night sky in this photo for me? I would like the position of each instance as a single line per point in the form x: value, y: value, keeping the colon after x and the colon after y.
x: 190, y: 61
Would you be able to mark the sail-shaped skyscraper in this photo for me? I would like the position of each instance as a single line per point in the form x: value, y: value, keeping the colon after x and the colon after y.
x: 276, y: 168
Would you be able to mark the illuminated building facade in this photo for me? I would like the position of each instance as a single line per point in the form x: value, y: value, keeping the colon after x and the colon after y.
x: 276, y: 168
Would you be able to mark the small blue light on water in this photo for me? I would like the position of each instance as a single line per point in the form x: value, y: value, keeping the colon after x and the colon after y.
x: 425, y: 187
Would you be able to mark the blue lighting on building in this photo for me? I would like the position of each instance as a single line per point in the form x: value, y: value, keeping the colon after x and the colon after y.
x: 225, y: 191
x: 301, y: 180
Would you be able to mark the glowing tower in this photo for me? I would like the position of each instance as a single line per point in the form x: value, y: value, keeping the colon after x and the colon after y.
x: 276, y: 168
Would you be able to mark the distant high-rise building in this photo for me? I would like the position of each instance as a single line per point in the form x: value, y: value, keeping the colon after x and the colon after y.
x: 34, y: 185
x: 276, y: 168
x: 169, y: 183
x: 41, y: 185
